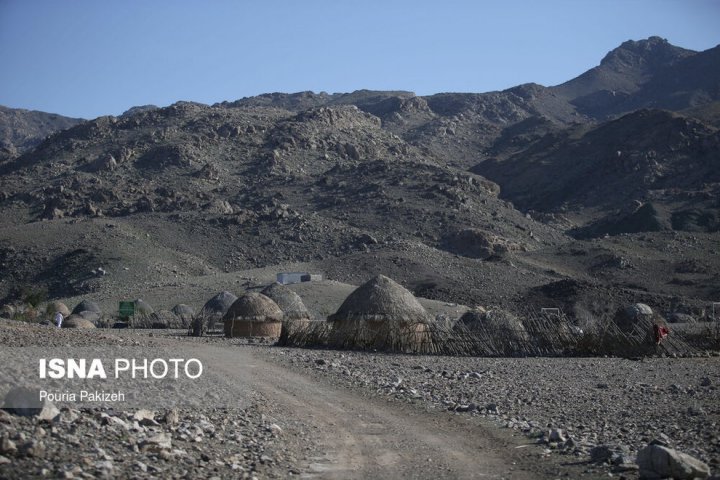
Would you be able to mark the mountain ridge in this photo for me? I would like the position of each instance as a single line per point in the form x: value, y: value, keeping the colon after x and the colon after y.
x: 463, y: 197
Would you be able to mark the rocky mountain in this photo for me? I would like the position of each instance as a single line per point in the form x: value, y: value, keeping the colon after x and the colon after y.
x: 21, y: 130
x: 494, y: 198
x: 642, y: 74
x: 646, y: 157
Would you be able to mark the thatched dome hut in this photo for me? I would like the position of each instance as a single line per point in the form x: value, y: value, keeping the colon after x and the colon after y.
x: 381, y: 300
x: 498, y: 324
x: 89, y: 316
x: 289, y: 302
x: 382, y: 315
x: 253, y: 315
x: 77, y: 321
x: 7, y: 311
x: 87, y: 306
x: 167, y: 319
x: 499, y: 331
x: 183, y: 311
x: 635, y: 316
x: 142, y: 308
x: 216, y: 308
x: 55, y: 307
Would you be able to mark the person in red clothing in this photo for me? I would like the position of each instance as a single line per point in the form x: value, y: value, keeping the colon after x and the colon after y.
x: 660, y: 333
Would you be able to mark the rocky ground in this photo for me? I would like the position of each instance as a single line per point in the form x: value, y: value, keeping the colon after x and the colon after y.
x: 582, y: 417
x: 605, y: 409
x: 212, y: 442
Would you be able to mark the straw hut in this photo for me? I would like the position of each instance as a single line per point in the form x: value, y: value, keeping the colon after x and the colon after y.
x: 253, y: 315
x: 142, y: 307
x: 289, y: 302
x: 498, y: 332
x: 87, y: 306
x: 635, y: 316
x: 184, y: 311
x: 167, y: 319
x: 77, y: 321
x: 381, y: 314
x: 295, y: 314
x: 216, y: 308
x: 89, y: 316
x: 502, y: 325
x: 55, y: 307
x: 7, y: 311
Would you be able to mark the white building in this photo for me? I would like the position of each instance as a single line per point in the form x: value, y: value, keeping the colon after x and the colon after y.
x: 286, y: 278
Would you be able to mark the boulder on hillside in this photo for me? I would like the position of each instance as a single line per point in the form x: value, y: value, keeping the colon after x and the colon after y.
x: 475, y: 243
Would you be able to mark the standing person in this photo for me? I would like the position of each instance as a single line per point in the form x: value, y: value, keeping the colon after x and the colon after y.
x: 58, y: 319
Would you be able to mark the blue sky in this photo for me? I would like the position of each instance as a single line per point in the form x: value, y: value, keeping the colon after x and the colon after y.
x: 87, y: 58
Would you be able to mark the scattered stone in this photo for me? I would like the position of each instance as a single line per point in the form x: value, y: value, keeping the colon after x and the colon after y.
x: 172, y: 417
x: 156, y: 443
x: 33, y: 448
x: 600, y: 454
x: 656, y: 461
x: 145, y: 417
x: 556, y: 435
x: 7, y: 446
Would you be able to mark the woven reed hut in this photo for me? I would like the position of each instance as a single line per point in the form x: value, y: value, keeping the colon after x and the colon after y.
x: 184, y: 311
x: 55, y: 307
x: 381, y: 314
x: 637, y: 315
x: 295, y: 314
x: 502, y: 325
x: 289, y: 302
x: 216, y: 308
x: 253, y: 315
x: 77, y: 321
x: 494, y: 331
x: 87, y: 306
x: 166, y: 319
x: 142, y: 307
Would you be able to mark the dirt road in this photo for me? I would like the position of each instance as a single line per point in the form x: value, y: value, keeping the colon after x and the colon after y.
x: 328, y: 431
x: 360, y: 437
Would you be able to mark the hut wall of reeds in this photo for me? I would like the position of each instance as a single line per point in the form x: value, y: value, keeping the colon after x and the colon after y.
x: 380, y: 314
x: 253, y: 315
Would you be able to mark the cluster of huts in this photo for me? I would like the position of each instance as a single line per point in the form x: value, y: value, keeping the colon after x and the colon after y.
x: 383, y: 315
x: 88, y: 314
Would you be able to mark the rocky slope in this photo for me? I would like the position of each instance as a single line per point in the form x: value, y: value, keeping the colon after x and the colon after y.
x: 468, y: 198
x: 21, y: 130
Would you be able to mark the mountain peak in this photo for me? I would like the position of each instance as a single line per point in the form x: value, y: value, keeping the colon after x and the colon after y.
x: 650, y: 52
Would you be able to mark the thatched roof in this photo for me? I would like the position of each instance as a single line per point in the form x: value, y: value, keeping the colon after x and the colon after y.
x: 495, y: 322
x: 381, y: 300
x: 168, y: 319
x: 142, y: 307
x: 254, y: 307
x: 289, y: 302
x: 634, y: 316
x: 183, y: 311
x: 76, y: 321
x: 90, y: 316
x: 219, y: 304
x: 87, y: 306
x: 57, y: 306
